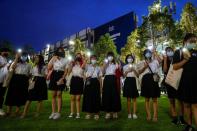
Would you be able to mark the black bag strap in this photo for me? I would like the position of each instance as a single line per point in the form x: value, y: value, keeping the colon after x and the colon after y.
x: 149, y: 67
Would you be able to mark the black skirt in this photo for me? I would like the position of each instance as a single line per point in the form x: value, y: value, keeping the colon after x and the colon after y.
x: 55, y: 77
x: 39, y: 92
x: 172, y: 93
x: 110, y: 95
x: 92, y: 97
x: 149, y: 88
x: 18, y: 91
x: 130, y: 88
x: 76, y: 85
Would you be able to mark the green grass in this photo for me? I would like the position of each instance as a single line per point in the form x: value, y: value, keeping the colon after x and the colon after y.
x: 42, y: 123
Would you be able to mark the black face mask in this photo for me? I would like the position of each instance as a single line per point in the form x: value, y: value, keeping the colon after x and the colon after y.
x: 61, y: 54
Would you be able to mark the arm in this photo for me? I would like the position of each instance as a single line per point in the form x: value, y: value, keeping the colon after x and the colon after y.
x: 143, y: 69
x: 165, y: 67
x: 180, y: 64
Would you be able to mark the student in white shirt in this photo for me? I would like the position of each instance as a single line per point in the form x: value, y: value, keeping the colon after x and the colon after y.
x: 91, y: 95
x: 111, y: 103
x: 76, y: 84
x: 39, y: 91
x: 18, y: 88
x: 130, y: 85
x: 3, y: 72
x: 58, y: 65
x: 150, y: 88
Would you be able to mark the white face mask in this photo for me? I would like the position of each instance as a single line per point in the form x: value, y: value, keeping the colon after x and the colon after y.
x: 93, y: 62
x: 110, y: 58
x: 129, y: 60
x: 169, y: 53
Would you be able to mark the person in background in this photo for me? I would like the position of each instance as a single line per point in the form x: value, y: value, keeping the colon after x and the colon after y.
x: 130, y: 86
x: 111, y: 103
x: 18, y: 88
x: 4, y: 53
x: 58, y: 65
x: 187, y: 91
x: 172, y: 93
x: 91, y: 95
x: 39, y: 91
x: 76, y: 84
x: 149, y: 87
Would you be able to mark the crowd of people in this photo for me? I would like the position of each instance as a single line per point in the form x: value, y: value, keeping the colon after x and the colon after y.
x: 101, y: 85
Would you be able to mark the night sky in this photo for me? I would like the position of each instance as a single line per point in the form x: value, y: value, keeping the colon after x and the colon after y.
x: 40, y: 21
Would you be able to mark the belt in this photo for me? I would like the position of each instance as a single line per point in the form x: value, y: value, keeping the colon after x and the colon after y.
x: 59, y: 70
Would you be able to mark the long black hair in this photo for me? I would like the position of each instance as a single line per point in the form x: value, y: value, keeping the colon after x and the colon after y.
x: 40, y: 63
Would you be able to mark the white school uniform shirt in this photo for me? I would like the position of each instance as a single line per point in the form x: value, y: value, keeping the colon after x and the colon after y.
x: 23, y: 69
x: 77, y: 71
x: 127, y: 68
x: 35, y: 72
x: 60, y: 64
x: 111, y: 69
x: 93, y: 72
x: 154, y: 65
x: 3, y: 70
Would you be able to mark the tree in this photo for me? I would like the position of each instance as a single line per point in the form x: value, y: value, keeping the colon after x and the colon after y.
x: 188, y: 20
x: 133, y: 46
x: 79, y: 47
x: 6, y: 44
x: 9, y: 45
x: 29, y: 49
x: 103, y: 46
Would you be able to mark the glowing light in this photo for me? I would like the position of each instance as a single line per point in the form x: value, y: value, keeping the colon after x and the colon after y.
x: 71, y: 42
x: 19, y: 50
x: 88, y: 53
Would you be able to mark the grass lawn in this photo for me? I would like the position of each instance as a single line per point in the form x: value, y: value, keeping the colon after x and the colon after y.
x: 43, y: 123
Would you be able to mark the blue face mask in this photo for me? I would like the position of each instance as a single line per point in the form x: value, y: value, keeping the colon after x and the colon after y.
x: 190, y: 46
x: 170, y: 53
x: 24, y: 58
x: 148, y: 55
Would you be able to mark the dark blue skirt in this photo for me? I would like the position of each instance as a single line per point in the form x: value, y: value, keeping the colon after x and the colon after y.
x: 130, y: 88
x: 17, y: 93
x: 55, y: 77
x: 76, y: 85
x: 110, y: 95
x: 149, y: 88
x: 92, y: 97
x: 39, y: 92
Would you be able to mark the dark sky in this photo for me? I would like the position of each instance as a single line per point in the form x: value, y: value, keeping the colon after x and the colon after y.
x: 41, y: 21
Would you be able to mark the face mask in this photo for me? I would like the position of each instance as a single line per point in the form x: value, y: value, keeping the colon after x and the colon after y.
x: 93, y: 62
x: 190, y: 46
x: 110, y: 58
x: 170, y: 53
x: 129, y: 60
x: 61, y: 54
x: 148, y: 55
x: 24, y: 58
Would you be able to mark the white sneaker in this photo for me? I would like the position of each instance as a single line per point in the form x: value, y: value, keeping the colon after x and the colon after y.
x: 129, y: 116
x: 87, y: 117
x: 115, y: 115
x: 107, y: 116
x: 2, y: 113
x: 135, y: 116
x: 57, y: 116
x: 78, y: 116
x: 52, y: 115
x: 71, y: 115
